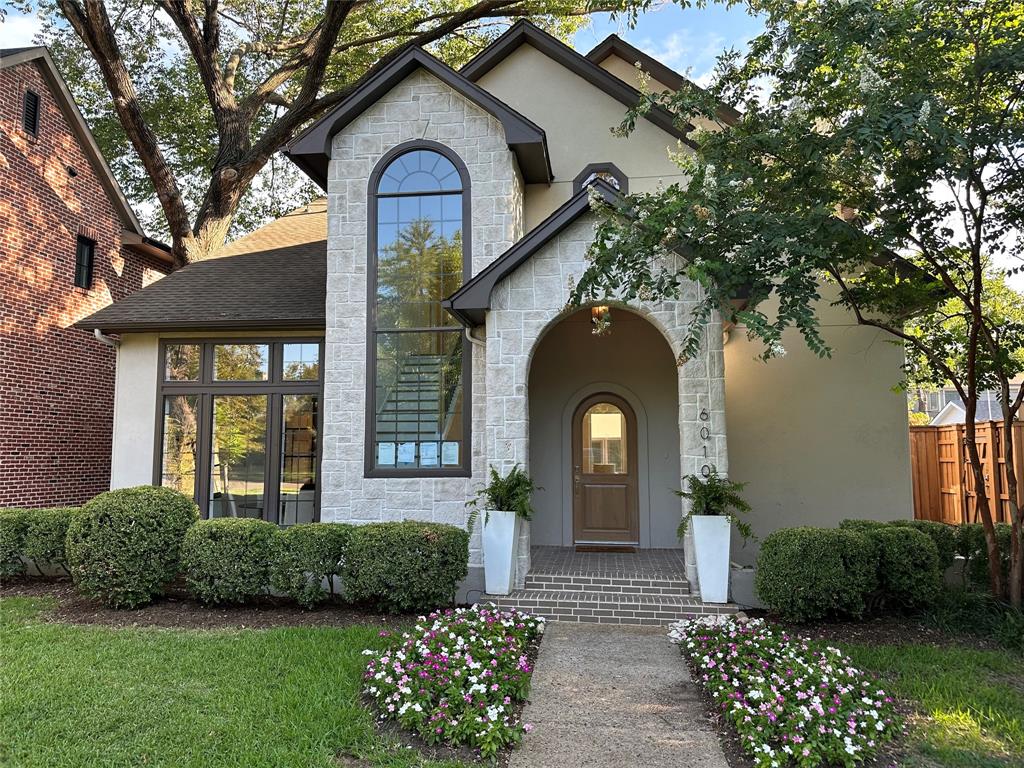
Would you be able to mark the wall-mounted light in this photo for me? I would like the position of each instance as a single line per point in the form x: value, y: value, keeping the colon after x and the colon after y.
x: 601, y: 319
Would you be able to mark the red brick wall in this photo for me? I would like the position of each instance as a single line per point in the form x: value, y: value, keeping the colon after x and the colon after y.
x: 56, y: 382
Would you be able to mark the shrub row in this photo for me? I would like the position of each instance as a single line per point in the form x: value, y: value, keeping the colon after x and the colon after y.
x: 38, y: 535
x: 393, y: 566
x: 125, y: 546
x: 970, y: 544
x: 813, y: 573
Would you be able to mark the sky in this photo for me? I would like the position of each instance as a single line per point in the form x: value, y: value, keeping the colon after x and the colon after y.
x: 682, y: 39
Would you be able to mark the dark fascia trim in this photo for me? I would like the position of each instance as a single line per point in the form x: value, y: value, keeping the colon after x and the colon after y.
x: 301, y: 324
x: 615, y: 45
x: 470, y: 303
x: 524, y: 31
x: 311, y: 150
x: 610, y: 168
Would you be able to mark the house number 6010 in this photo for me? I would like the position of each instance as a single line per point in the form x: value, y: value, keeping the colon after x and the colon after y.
x: 705, y: 434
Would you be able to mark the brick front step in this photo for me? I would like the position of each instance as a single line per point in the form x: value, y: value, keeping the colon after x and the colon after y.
x: 619, y: 585
x: 608, y: 607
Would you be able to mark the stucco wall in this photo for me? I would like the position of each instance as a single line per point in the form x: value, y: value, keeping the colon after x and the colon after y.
x: 634, y: 362
x: 421, y: 107
x: 818, y: 440
x: 578, y: 133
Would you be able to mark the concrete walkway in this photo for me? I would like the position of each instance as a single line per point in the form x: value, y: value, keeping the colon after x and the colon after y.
x: 617, y: 696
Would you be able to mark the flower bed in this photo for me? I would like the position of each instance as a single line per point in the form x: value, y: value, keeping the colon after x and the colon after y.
x: 791, y: 704
x: 460, y: 677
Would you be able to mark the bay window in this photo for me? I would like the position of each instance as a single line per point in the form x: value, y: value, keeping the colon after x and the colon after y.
x: 240, y: 426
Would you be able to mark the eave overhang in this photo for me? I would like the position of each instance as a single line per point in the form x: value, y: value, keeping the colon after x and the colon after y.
x: 311, y: 150
x: 470, y: 303
x: 524, y: 31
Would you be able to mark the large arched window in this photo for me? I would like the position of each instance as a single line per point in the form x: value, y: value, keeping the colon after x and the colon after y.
x: 418, y: 361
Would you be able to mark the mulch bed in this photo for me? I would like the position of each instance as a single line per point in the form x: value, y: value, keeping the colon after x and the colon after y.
x: 178, y: 611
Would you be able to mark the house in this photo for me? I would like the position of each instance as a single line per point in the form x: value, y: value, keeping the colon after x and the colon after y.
x: 368, y: 357
x: 69, y: 245
x: 945, y: 406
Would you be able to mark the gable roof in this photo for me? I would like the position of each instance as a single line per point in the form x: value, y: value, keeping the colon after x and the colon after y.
x: 524, y: 31
x: 10, y: 57
x: 274, y: 278
x: 613, y: 45
x: 311, y: 150
x: 470, y: 303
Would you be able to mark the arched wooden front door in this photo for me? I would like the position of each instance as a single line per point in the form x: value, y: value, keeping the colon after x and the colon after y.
x: 604, y: 464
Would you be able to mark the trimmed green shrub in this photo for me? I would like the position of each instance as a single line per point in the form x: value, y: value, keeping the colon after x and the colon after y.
x: 125, y: 546
x: 46, y: 535
x: 308, y: 555
x: 405, y: 566
x: 229, y: 559
x: 942, y: 535
x: 12, y: 541
x: 908, y: 567
x: 806, y: 574
x: 861, y: 525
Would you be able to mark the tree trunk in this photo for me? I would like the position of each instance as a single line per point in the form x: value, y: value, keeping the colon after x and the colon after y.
x: 981, y: 499
x: 1016, y: 576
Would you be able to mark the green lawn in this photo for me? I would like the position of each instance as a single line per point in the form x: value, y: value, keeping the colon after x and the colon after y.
x: 91, y: 696
x: 972, y: 702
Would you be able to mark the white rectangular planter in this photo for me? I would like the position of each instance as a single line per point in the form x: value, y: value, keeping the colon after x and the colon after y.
x: 711, y: 534
x: 501, y: 532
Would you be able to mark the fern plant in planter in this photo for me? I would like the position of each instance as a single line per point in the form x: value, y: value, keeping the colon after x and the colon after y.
x: 505, y: 500
x: 715, y: 502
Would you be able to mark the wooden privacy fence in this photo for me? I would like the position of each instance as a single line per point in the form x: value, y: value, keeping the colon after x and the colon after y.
x: 944, y: 488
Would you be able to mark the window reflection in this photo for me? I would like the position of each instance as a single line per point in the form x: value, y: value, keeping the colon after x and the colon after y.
x: 418, y: 393
x: 301, y: 362
x: 241, y: 362
x: 298, y: 459
x: 181, y: 362
x: 604, y: 437
x: 181, y: 428
x: 238, y: 462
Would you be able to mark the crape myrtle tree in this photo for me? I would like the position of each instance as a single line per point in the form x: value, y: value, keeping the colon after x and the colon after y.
x: 878, y: 164
x: 192, y: 99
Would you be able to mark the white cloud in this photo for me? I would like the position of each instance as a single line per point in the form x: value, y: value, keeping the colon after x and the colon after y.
x: 18, y: 31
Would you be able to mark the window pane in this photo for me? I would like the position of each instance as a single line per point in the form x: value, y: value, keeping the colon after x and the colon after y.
x: 421, y: 170
x: 181, y: 362
x: 241, y: 362
x: 298, y: 459
x: 419, y: 398
x: 301, y: 362
x: 178, y: 456
x: 419, y: 261
x: 604, y: 436
x: 238, y: 455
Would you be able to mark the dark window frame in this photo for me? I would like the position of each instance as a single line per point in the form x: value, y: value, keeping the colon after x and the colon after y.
x: 370, y: 468
x: 87, y: 264
x: 207, y: 387
x: 33, y: 130
x: 610, y: 168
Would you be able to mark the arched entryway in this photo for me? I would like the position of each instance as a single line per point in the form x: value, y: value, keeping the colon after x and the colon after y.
x: 604, y: 434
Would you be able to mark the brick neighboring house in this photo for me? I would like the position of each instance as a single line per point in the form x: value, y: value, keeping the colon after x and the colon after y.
x: 69, y: 246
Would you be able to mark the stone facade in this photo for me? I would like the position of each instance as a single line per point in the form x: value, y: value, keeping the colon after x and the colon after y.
x: 531, y: 300
x: 524, y: 305
x: 421, y: 107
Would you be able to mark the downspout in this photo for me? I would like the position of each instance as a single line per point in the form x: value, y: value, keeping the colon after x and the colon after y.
x: 104, y: 339
x: 473, y: 339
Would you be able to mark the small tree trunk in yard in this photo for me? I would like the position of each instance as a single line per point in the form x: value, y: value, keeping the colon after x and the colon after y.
x: 1016, y: 577
x: 981, y: 499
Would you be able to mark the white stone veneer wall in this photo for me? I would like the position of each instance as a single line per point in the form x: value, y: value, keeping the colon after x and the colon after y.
x: 420, y: 107
x: 529, y: 301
